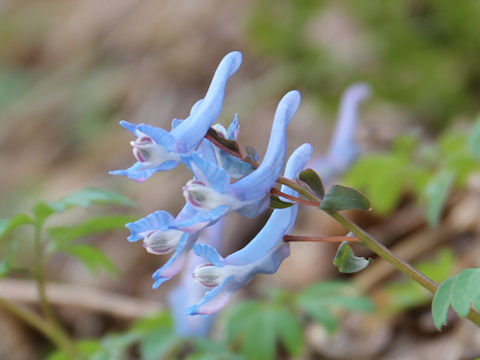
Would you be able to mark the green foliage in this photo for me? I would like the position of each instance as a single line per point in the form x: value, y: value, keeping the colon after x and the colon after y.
x: 474, y: 140
x: 7, y: 225
x: 63, y: 238
x: 428, y: 172
x: 347, y: 262
x: 417, y: 55
x: 325, y: 301
x: 340, y: 197
x: 99, y: 224
x: 91, y: 257
x: 311, y: 178
x: 406, y: 294
x: 257, y: 327
x: 436, y: 194
x: 461, y: 291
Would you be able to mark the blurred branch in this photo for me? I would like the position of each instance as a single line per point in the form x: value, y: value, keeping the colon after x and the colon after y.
x: 82, y: 297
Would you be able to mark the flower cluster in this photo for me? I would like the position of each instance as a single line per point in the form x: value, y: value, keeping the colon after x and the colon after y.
x: 224, y: 182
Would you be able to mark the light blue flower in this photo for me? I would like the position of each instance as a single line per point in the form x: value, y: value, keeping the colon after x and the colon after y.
x: 262, y: 255
x: 210, y: 190
x: 160, y: 238
x: 157, y: 150
x: 189, y: 291
x: 343, y: 149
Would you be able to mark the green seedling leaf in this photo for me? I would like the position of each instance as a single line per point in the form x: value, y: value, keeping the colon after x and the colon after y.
x: 465, y: 290
x: 65, y: 234
x: 437, y: 193
x: 93, y: 196
x: 91, y: 257
x: 42, y: 210
x: 7, y: 225
x: 347, y: 262
x: 7, y: 262
x: 312, y: 179
x: 474, y: 140
x: 255, y: 328
x: 289, y: 330
x: 340, y: 197
x: 276, y: 203
x: 441, y: 303
x: 461, y: 291
x: 87, y: 348
x: 323, y: 301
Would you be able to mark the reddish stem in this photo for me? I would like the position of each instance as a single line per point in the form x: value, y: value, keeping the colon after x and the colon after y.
x: 335, y: 239
x: 277, y: 192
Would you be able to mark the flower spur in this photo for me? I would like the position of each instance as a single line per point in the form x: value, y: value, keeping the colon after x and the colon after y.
x: 157, y: 149
x: 263, y: 254
x: 211, y: 189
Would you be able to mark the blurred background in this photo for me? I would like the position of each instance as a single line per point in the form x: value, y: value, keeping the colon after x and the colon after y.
x: 71, y: 70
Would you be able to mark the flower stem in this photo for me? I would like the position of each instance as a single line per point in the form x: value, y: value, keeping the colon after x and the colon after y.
x: 52, y: 323
x: 42, y: 325
x: 294, y: 198
x: 397, y: 262
x: 335, y: 239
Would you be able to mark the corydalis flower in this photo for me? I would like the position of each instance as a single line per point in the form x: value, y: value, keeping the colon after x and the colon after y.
x: 160, y: 238
x: 157, y: 150
x: 343, y: 149
x: 262, y: 255
x: 211, y: 189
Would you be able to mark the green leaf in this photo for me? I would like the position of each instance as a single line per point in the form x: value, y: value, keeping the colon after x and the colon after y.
x: 461, y: 291
x: 42, y: 210
x: 347, y: 262
x: 324, y: 300
x: 65, y: 234
x: 465, y: 290
x: 340, y: 197
x: 311, y: 178
x: 276, y: 203
x: 474, y: 140
x: 384, y: 188
x: 91, y: 257
x: 7, y: 262
x: 7, y: 225
x: 255, y: 328
x: 289, y: 330
x: 91, y: 196
x: 436, y: 193
x: 441, y: 303
x: 85, y: 347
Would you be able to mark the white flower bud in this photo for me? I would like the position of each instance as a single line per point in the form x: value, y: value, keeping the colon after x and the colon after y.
x: 162, y: 242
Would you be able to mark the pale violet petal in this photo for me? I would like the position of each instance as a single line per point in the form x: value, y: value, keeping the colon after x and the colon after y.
x: 209, y: 253
x: 258, y: 183
x: 191, y: 131
x: 207, y: 173
x: 215, y: 299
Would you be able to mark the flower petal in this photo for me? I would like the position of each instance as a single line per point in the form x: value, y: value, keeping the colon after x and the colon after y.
x: 191, y: 131
x: 209, y: 253
x: 215, y: 299
x: 258, y: 183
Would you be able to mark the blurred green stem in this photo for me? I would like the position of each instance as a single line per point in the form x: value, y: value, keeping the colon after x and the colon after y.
x: 53, y: 326
x: 57, y: 337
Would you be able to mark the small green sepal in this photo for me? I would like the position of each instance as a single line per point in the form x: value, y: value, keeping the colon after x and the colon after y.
x: 347, y: 262
x: 276, y: 203
x: 311, y: 178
